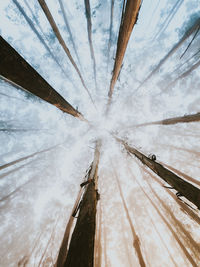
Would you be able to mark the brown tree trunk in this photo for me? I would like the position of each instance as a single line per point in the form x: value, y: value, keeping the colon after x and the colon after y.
x: 16, y: 70
x: 136, y: 240
x: 62, y: 42
x: 89, y: 28
x: 129, y: 18
x: 181, y: 119
x: 186, y: 189
x: 81, y: 248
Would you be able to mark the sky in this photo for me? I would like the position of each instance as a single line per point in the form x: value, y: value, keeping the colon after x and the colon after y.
x: 41, y: 190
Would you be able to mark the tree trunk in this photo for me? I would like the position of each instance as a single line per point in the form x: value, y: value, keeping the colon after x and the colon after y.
x: 129, y: 18
x: 186, y: 189
x: 89, y: 28
x: 175, y: 120
x: 28, y: 20
x: 136, y: 240
x: 81, y: 249
x: 62, y: 42
x: 172, y: 51
x: 28, y: 79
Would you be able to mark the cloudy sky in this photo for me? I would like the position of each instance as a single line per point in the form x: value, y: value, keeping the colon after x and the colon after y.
x: 37, y: 194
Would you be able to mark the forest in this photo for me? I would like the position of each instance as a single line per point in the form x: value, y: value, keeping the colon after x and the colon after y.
x: 99, y: 133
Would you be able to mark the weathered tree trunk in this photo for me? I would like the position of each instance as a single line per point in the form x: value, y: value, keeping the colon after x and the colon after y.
x: 28, y: 20
x: 186, y: 189
x: 62, y: 42
x: 17, y: 71
x: 187, y: 177
x: 81, y: 248
x: 129, y: 18
x: 62, y: 255
x: 136, y: 240
x: 89, y: 29
x: 182, y: 205
x: 181, y: 119
x: 172, y: 51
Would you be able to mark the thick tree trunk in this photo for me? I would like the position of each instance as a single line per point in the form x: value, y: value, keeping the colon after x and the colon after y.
x: 186, y: 189
x: 17, y: 71
x: 81, y: 249
x: 175, y: 120
x: 129, y: 18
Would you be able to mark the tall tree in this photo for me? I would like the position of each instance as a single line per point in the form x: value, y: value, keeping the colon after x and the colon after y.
x: 81, y: 248
x: 136, y: 240
x: 186, y: 189
x: 30, y: 23
x: 186, y: 35
x: 28, y: 79
x: 69, y: 30
x: 128, y: 20
x: 175, y: 120
x: 89, y: 29
x: 62, y: 42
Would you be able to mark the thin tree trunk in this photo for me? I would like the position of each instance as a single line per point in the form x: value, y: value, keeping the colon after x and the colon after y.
x: 110, y: 31
x: 136, y: 240
x: 175, y: 120
x: 28, y: 20
x: 186, y: 253
x: 183, y: 75
x: 69, y: 30
x: 186, y: 189
x: 129, y: 18
x: 62, y: 42
x: 89, y: 29
x: 24, y: 76
x: 169, y: 18
x: 172, y: 51
x: 26, y: 157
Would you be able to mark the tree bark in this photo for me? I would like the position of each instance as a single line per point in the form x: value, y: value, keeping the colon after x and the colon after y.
x: 186, y: 189
x: 129, y: 19
x: 89, y: 29
x: 17, y: 71
x: 81, y: 249
x: 62, y: 42
x: 175, y: 120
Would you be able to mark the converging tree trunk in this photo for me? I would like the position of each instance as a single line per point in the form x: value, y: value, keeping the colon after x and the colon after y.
x: 89, y: 29
x: 175, y: 120
x: 186, y: 189
x: 62, y: 42
x: 26, y: 78
x: 128, y: 20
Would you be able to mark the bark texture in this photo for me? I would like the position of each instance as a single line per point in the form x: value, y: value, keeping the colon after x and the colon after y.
x: 129, y: 19
x: 16, y: 70
x: 186, y: 189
